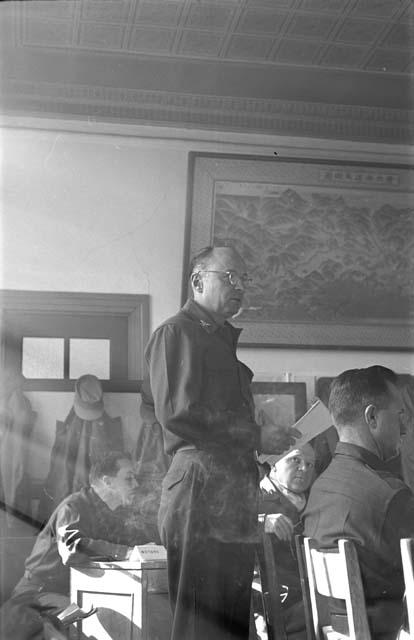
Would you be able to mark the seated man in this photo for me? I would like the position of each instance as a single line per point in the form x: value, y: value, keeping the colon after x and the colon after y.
x: 359, y: 498
x: 283, y: 498
x: 85, y: 526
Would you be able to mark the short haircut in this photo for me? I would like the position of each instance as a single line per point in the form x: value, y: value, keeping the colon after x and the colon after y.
x: 353, y: 390
x: 202, y: 259
x: 108, y: 465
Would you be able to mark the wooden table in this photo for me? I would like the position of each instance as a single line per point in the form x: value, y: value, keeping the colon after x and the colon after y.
x: 132, y: 600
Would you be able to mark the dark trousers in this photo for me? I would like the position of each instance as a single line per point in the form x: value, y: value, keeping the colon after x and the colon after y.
x: 209, y: 579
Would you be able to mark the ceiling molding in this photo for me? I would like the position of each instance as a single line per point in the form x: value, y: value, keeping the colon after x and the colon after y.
x: 284, y: 117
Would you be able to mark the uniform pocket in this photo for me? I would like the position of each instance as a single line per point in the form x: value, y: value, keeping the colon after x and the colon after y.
x: 172, y: 482
x: 176, y: 473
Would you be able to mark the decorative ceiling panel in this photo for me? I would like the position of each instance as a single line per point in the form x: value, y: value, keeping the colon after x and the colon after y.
x: 108, y: 11
x: 356, y: 31
x: 375, y: 8
x: 249, y: 48
x: 342, y: 53
x: 391, y: 60
x: 47, y: 10
x: 165, y: 14
x: 311, y: 25
x: 200, y: 43
x: 300, y: 51
x: 50, y: 33
x: 401, y: 35
x: 97, y: 36
x: 245, y: 28
x: 151, y: 40
x: 261, y: 21
x: 209, y: 16
x: 337, y: 55
x: 281, y: 4
x: 334, y: 6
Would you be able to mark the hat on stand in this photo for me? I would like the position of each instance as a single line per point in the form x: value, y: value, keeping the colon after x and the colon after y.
x: 88, y: 402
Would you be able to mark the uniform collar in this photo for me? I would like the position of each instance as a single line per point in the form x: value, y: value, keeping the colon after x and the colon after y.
x: 207, y: 321
x: 362, y: 454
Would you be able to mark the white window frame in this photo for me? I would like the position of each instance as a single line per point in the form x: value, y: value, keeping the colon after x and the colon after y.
x: 135, y: 308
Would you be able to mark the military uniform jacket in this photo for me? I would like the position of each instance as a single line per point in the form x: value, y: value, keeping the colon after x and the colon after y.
x: 202, y: 398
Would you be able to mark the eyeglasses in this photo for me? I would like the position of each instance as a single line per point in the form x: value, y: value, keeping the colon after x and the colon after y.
x: 233, y: 278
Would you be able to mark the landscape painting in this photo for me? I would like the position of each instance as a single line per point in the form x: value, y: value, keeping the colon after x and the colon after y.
x: 329, y: 247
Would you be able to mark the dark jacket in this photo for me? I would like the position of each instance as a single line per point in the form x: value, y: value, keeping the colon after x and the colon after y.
x: 83, y: 527
x: 202, y: 398
x: 201, y: 391
x: 285, y: 553
x: 78, y: 445
x: 358, y: 498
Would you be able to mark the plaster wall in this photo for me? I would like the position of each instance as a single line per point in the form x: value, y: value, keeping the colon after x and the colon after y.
x: 102, y: 209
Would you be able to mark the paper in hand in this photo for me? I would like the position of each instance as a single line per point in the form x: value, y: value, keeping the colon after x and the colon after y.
x: 316, y: 420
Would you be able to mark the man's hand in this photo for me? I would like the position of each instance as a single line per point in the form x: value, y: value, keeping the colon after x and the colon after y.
x: 274, y: 438
x: 280, y: 525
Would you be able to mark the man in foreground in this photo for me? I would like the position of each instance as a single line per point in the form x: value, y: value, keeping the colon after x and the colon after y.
x: 358, y: 498
x: 84, y: 527
x: 202, y: 399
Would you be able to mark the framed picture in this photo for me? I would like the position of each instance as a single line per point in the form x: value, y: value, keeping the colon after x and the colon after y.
x: 282, y: 402
x: 329, y: 245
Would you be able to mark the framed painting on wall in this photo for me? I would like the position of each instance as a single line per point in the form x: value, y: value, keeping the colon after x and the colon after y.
x: 329, y: 245
x: 278, y: 403
x: 283, y: 403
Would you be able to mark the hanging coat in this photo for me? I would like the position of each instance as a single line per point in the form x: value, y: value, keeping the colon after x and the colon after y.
x: 17, y: 420
x: 78, y: 445
x: 152, y: 462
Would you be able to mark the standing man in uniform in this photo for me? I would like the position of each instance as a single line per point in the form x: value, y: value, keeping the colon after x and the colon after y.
x: 202, y: 399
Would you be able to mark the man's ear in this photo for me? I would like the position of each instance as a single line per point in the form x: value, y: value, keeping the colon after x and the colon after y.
x: 197, y: 282
x: 107, y: 481
x: 370, y: 415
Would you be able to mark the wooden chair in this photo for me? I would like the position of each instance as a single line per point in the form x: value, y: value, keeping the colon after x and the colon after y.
x: 304, y: 583
x: 270, y: 590
x: 407, y: 555
x: 336, y: 574
x: 278, y: 624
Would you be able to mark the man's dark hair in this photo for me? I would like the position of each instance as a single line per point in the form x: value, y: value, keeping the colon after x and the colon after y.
x: 201, y: 260
x: 108, y: 465
x: 353, y: 390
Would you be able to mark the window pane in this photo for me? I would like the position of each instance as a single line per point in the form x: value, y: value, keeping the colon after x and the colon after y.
x: 43, y: 357
x: 89, y: 356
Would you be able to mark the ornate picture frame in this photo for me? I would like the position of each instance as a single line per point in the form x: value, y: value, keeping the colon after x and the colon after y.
x: 329, y: 244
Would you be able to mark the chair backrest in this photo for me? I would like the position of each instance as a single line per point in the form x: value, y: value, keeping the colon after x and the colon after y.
x: 407, y: 555
x: 336, y: 574
x: 304, y: 584
x: 273, y: 609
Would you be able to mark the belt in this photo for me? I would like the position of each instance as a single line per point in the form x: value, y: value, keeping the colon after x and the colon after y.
x: 187, y: 447
x: 35, y: 583
x: 28, y: 575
